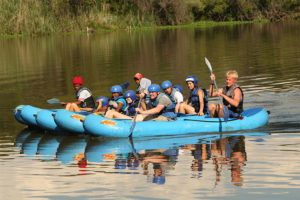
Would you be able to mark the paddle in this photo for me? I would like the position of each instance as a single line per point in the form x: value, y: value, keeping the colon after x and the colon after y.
x: 221, y: 102
x: 125, y: 85
x: 134, y: 120
x: 54, y: 101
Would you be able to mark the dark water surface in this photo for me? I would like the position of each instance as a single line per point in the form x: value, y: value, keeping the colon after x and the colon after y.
x: 257, y: 164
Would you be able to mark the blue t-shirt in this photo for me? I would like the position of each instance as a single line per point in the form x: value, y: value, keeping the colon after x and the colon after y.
x: 124, y: 103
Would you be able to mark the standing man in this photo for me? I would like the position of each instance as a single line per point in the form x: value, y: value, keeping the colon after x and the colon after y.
x: 232, y: 95
x: 83, y: 95
x: 142, y: 87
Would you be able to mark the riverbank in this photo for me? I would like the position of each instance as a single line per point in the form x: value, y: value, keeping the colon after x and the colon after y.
x: 42, y: 17
x: 201, y: 24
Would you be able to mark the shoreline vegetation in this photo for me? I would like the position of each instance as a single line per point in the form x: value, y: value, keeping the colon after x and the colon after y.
x: 42, y: 17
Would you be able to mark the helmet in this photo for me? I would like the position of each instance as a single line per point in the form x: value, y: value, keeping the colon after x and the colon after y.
x: 138, y: 76
x: 104, y: 100
x: 193, y: 79
x: 116, y: 89
x: 179, y: 88
x: 166, y: 84
x: 154, y: 88
x: 131, y: 94
x: 77, y: 80
x: 159, y: 180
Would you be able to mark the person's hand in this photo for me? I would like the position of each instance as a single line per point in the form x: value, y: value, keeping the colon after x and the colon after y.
x: 212, y: 77
x: 138, y: 110
x: 200, y: 113
x: 63, y: 103
x: 142, y: 95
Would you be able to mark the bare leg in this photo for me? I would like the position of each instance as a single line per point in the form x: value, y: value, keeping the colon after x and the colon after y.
x: 220, y: 111
x: 212, y: 110
x: 186, y: 109
x: 74, y: 107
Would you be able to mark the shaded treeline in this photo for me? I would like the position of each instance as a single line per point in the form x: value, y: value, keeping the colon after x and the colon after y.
x: 45, y: 16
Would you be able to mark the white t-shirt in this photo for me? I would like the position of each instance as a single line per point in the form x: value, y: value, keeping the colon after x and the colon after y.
x: 178, y: 97
x: 84, y: 94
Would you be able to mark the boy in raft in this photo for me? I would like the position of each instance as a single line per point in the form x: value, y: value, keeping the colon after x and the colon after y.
x: 197, y: 103
x: 173, y: 93
x: 83, y: 95
x: 102, y: 104
x: 232, y: 95
x: 117, y: 102
x: 161, y: 107
x: 130, y: 98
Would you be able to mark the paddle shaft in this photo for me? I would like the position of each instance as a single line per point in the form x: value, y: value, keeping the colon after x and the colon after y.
x: 134, y: 119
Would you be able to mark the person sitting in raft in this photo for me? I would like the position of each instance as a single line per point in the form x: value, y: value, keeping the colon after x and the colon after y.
x: 117, y: 102
x: 83, y: 95
x: 102, y: 104
x: 130, y: 112
x: 232, y: 96
x: 161, y: 107
x: 173, y: 93
x: 142, y: 87
x: 197, y: 103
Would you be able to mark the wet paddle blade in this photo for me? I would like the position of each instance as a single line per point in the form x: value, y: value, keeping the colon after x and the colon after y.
x: 208, y: 65
x: 53, y: 101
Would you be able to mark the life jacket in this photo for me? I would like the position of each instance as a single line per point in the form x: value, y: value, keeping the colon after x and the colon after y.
x: 88, y: 102
x: 130, y: 108
x: 113, y: 103
x: 228, y: 92
x: 194, y: 99
x: 168, y: 112
x: 172, y: 96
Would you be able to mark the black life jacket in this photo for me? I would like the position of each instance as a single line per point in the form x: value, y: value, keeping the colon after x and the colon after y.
x: 88, y: 102
x: 228, y: 92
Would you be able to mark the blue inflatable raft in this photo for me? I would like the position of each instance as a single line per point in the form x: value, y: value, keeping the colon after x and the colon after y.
x: 100, y: 126
x: 97, y: 125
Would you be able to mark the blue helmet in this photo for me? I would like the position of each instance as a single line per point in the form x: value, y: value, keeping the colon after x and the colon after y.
x: 193, y: 79
x: 116, y: 89
x: 179, y: 87
x: 130, y: 93
x: 154, y: 88
x: 104, y: 100
x: 166, y: 84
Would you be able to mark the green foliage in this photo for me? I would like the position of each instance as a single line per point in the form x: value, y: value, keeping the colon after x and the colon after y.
x: 46, y: 16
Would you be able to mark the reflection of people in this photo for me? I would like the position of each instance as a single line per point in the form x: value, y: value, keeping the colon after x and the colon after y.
x: 83, y: 95
x: 161, y: 160
x: 158, y: 176
x: 230, y: 151
x: 232, y: 96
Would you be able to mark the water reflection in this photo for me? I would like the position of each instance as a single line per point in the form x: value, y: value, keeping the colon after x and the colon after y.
x: 153, y: 157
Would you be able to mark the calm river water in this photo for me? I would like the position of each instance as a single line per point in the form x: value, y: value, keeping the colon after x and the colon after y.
x: 257, y: 164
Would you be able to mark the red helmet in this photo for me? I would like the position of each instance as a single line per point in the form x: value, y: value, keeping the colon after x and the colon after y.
x: 77, y: 80
x: 138, y: 76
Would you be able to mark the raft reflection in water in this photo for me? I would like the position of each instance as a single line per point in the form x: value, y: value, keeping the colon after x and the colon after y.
x: 155, y: 157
